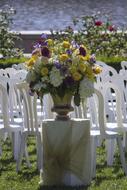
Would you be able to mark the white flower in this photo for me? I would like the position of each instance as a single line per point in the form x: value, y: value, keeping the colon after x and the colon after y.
x: 39, y: 85
x: 55, y: 77
x: 45, y: 79
x: 86, y: 88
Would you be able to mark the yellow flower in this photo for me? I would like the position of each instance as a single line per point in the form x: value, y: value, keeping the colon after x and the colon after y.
x: 50, y: 42
x: 84, y: 58
x: 73, y: 69
x: 97, y: 69
x: 87, y: 57
x: 63, y: 57
x: 81, y: 58
x: 44, y: 71
x: 66, y: 44
x: 34, y: 57
x: 89, y: 73
x: 30, y: 62
x: 89, y: 70
x: 82, y: 67
x: 76, y: 76
x: 76, y: 52
x: 91, y: 77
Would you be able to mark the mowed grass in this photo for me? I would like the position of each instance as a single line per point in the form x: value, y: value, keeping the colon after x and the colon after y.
x: 107, y: 178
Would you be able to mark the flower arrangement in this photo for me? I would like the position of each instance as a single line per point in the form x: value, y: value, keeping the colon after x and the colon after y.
x: 61, y: 67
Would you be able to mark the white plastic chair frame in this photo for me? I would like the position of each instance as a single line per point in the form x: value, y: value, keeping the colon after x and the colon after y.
x: 12, y: 130
x: 105, y: 135
x: 31, y: 124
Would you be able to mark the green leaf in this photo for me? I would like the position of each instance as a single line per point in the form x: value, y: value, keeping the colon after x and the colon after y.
x: 77, y: 99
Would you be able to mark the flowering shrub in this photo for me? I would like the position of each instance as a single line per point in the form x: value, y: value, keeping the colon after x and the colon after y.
x: 7, y: 38
x: 60, y: 67
x: 101, y: 35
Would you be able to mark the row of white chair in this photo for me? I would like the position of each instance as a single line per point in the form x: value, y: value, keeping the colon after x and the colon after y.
x: 97, y: 116
x: 8, y: 79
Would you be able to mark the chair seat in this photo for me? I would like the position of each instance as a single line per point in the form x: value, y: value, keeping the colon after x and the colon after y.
x: 112, y: 126
x: 15, y: 127
x: 17, y: 120
x: 1, y: 126
x: 124, y: 127
x: 95, y: 132
x: 30, y: 132
x: 111, y: 134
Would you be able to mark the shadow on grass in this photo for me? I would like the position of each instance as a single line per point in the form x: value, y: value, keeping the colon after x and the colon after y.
x: 43, y: 187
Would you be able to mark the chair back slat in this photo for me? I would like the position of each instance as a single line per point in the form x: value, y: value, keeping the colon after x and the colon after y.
x: 29, y: 107
x: 4, y: 106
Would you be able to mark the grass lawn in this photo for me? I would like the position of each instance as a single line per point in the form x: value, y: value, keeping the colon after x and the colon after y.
x: 107, y: 178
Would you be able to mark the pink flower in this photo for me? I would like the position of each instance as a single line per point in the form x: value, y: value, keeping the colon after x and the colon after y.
x: 111, y: 28
x: 98, y: 23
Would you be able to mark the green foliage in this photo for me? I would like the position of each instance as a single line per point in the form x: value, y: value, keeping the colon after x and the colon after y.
x: 77, y: 99
x: 7, y: 38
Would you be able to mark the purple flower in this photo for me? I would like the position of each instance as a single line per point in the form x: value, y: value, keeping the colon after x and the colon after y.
x: 37, y: 45
x: 69, y: 81
x: 69, y: 52
x: 74, y: 44
x: 44, y: 36
x: 82, y: 51
x: 64, y: 70
x: 93, y: 59
x: 69, y: 61
x: 45, y: 52
x: 57, y: 64
x: 36, y: 51
x: 40, y: 43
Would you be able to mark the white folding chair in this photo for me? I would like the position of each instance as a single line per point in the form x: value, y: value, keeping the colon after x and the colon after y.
x: 105, y: 133
x: 19, y: 66
x: 13, y: 130
x: 31, y: 123
x: 100, y: 131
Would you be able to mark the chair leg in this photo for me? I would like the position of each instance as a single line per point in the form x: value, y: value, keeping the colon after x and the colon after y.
x: 125, y: 141
x: 122, y: 155
x: 27, y: 156
x: 110, y: 150
x: 21, y: 152
x: 0, y: 150
x: 39, y: 152
x: 94, y: 142
x: 16, y: 144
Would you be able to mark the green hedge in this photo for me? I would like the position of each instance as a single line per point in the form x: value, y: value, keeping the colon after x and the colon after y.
x: 112, y: 61
x: 4, y: 63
